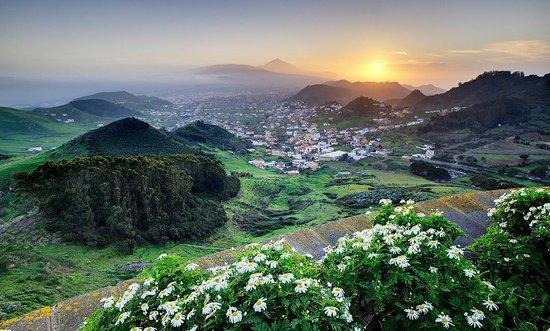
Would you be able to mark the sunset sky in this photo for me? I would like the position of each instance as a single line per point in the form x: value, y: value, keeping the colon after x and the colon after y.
x: 415, y: 42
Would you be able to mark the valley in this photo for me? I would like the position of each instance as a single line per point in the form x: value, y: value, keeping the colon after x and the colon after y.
x: 301, y: 161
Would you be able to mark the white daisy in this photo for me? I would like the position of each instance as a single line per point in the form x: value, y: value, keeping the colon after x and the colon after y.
x: 286, y: 278
x: 260, y: 305
x: 234, y: 315
x: 445, y: 320
x: 412, y: 314
x: 331, y: 311
x: 177, y: 320
x: 122, y: 317
x: 490, y: 304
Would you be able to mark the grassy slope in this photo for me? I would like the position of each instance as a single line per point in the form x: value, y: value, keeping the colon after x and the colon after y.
x: 20, y: 130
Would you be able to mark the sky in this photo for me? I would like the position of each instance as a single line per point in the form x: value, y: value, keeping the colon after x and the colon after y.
x: 414, y: 42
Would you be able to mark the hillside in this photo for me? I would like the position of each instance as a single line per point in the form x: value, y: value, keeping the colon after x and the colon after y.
x: 128, y: 100
x: 491, y: 85
x: 483, y: 116
x: 360, y: 112
x: 319, y: 94
x: 90, y: 110
x: 428, y: 89
x: 380, y: 91
x: 17, y: 122
x: 21, y: 130
x: 128, y: 136
x: 412, y: 99
x: 211, y: 135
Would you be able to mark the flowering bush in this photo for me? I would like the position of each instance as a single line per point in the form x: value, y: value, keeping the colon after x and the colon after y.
x: 406, y: 272
x: 269, y: 287
x: 515, y: 254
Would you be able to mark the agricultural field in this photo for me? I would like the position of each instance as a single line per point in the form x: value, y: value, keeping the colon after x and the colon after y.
x: 507, y: 153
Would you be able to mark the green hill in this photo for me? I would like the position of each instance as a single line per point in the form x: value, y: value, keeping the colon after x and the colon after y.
x: 86, y: 111
x: 131, y: 101
x: 483, y: 116
x: 489, y: 86
x: 360, y: 112
x: 128, y: 136
x: 20, y: 130
x: 211, y: 135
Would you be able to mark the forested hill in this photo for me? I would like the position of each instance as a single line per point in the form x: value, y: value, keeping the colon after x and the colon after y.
x: 83, y: 111
x: 487, y: 115
x: 128, y: 136
x: 99, y: 201
x: 210, y: 135
x: 128, y: 100
x: 489, y: 86
x: 316, y: 95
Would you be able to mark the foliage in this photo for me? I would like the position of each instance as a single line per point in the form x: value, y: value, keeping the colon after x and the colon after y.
x: 405, y: 272
x: 514, y: 253
x: 125, y: 137
x: 269, y: 288
x: 482, y: 116
x: 372, y: 197
x: 429, y: 171
x: 212, y: 135
x: 127, y: 201
x: 489, y: 183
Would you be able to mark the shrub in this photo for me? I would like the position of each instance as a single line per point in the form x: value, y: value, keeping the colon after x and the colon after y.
x: 429, y: 171
x: 405, y: 272
x: 489, y: 183
x: 269, y: 288
x: 514, y: 254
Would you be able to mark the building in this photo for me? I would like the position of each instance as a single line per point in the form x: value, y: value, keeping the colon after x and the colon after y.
x: 333, y: 156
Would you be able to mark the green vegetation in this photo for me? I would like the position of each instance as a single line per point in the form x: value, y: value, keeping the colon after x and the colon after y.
x: 210, y: 135
x: 83, y: 111
x: 128, y: 136
x: 481, y: 117
x: 21, y: 130
x: 128, y: 100
x: 429, y: 171
x: 404, y: 272
x: 514, y: 254
x: 128, y: 201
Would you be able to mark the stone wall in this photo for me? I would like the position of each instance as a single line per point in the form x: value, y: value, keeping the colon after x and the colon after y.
x: 468, y: 210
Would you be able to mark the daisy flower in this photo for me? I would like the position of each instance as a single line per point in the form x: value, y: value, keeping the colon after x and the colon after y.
x: 260, y: 305
x: 234, y: 315
x: 331, y: 311
x: 445, y: 320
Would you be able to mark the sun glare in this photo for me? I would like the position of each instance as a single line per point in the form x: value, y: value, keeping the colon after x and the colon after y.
x: 376, y: 70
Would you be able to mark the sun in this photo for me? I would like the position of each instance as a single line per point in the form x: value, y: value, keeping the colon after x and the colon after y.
x: 375, y: 71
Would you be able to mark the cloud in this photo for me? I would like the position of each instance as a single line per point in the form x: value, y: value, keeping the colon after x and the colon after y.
x: 529, y: 50
x: 525, y: 49
x: 465, y: 51
x: 400, y: 53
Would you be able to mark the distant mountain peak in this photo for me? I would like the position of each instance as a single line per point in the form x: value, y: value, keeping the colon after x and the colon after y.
x: 280, y: 66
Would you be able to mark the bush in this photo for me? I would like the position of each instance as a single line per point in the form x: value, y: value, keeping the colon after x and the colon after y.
x: 405, y: 272
x: 269, y: 288
x: 490, y: 183
x: 102, y: 200
x: 429, y: 171
x: 402, y: 273
x: 514, y: 254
